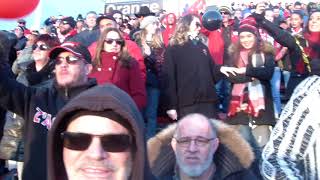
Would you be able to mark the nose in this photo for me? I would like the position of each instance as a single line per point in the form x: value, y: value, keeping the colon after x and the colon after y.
x: 192, y: 147
x: 95, y: 150
x: 114, y: 43
x: 63, y: 63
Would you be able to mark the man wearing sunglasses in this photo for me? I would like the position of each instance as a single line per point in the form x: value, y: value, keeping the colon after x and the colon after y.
x: 218, y: 43
x: 98, y: 135
x: 200, y: 149
x: 67, y: 29
x: 39, y: 106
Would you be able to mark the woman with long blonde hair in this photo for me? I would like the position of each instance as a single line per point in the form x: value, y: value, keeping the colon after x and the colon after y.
x: 151, y: 43
x: 189, y: 73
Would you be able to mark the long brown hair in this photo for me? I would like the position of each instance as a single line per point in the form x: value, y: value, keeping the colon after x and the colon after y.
x: 124, y: 56
x: 180, y: 35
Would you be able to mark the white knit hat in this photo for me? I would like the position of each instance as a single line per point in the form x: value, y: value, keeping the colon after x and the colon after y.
x: 148, y: 20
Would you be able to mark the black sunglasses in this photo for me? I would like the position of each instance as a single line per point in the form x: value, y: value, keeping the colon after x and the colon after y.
x: 110, y: 142
x: 69, y: 60
x: 42, y: 47
x: 224, y: 12
x: 118, y: 41
x: 64, y: 22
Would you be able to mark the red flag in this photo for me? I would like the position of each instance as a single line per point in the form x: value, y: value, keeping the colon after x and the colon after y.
x: 198, y: 6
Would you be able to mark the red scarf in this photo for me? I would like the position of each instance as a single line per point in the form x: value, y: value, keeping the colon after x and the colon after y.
x: 313, y: 39
x: 247, y: 97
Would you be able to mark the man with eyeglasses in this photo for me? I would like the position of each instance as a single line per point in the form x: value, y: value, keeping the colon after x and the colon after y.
x: 98, y: 135
x: 38, y: 106
x: 204, y: 149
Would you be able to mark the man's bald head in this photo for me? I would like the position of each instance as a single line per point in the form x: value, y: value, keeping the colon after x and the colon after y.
x: 196, y: 121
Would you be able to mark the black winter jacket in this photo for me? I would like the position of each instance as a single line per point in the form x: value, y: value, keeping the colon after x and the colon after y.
x: 189, y: 75
x: 38, y: 106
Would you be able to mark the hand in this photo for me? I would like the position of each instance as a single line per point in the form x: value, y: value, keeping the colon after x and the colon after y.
x: 226, y: 70
x: 241, y: 70
x: 172, y: 113
x: 146, y: 49
x: 260, y: 8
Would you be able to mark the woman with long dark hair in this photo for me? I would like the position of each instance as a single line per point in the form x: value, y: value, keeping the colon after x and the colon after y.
x: 113, y: 64
x: 251, y: 100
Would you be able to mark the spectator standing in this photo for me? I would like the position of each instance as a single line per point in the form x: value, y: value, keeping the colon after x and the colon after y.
x: 170, y: 27
x: 38, y: 106
x: 150, y: 41
x: 113, y: 64
x: 189, y: 73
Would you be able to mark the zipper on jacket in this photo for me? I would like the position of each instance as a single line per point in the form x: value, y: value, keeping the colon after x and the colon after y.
x: 66, y: 93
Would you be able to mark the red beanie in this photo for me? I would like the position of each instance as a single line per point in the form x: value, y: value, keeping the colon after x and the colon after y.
x: 248, y: 24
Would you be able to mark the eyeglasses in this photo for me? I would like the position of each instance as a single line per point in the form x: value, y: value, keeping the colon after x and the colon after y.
x: 69, y: 60
x: 199, y: 141
x: 118, y: 41
x: 42, y: 47
x: 224, y: 13
x: 109, y: 142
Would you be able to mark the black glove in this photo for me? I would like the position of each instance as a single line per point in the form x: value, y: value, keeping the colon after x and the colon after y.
x: 258, y: 17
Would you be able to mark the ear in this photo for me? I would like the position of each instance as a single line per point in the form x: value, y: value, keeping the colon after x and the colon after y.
x: 88, y: 68
x: 174, y: 144
x: 215, y: 144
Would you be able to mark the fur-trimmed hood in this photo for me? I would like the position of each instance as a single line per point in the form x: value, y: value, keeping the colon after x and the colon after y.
x: 234, y: 153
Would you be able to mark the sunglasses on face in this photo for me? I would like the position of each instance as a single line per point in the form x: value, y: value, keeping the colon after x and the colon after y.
x: 64, y: 22
x: 224, y: 13
x: 118, y: 41
x: 109, y: 142
x: 42, y: 47
x: 69, y: 60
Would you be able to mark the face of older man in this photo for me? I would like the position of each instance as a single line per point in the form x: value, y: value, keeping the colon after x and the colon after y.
x: 194, y: 146
x: 107, y: 154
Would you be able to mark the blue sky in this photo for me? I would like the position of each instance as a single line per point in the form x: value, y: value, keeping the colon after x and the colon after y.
x: 48, y: 8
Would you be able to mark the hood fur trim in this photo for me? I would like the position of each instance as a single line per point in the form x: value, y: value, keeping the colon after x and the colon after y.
x: 227, y: 135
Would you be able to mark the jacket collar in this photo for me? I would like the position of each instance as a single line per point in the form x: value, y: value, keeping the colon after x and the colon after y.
x: 70, y: 92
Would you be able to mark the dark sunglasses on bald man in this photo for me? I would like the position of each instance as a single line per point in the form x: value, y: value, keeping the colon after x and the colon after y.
x: 69, y: 60
x: 118, y: 41
x: 109, y: 142
x: 42, y: 47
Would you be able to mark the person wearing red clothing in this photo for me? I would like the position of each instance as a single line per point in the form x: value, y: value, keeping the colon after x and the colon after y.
x: 170, y: 24
x: 112, y: 64
x: 107, y: 21
x: 218, y: 43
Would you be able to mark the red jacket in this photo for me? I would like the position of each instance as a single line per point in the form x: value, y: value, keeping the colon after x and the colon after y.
x: 168, y: 32
x: 134, y: 51
x: 216, y: 45
x: 128, y: 79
